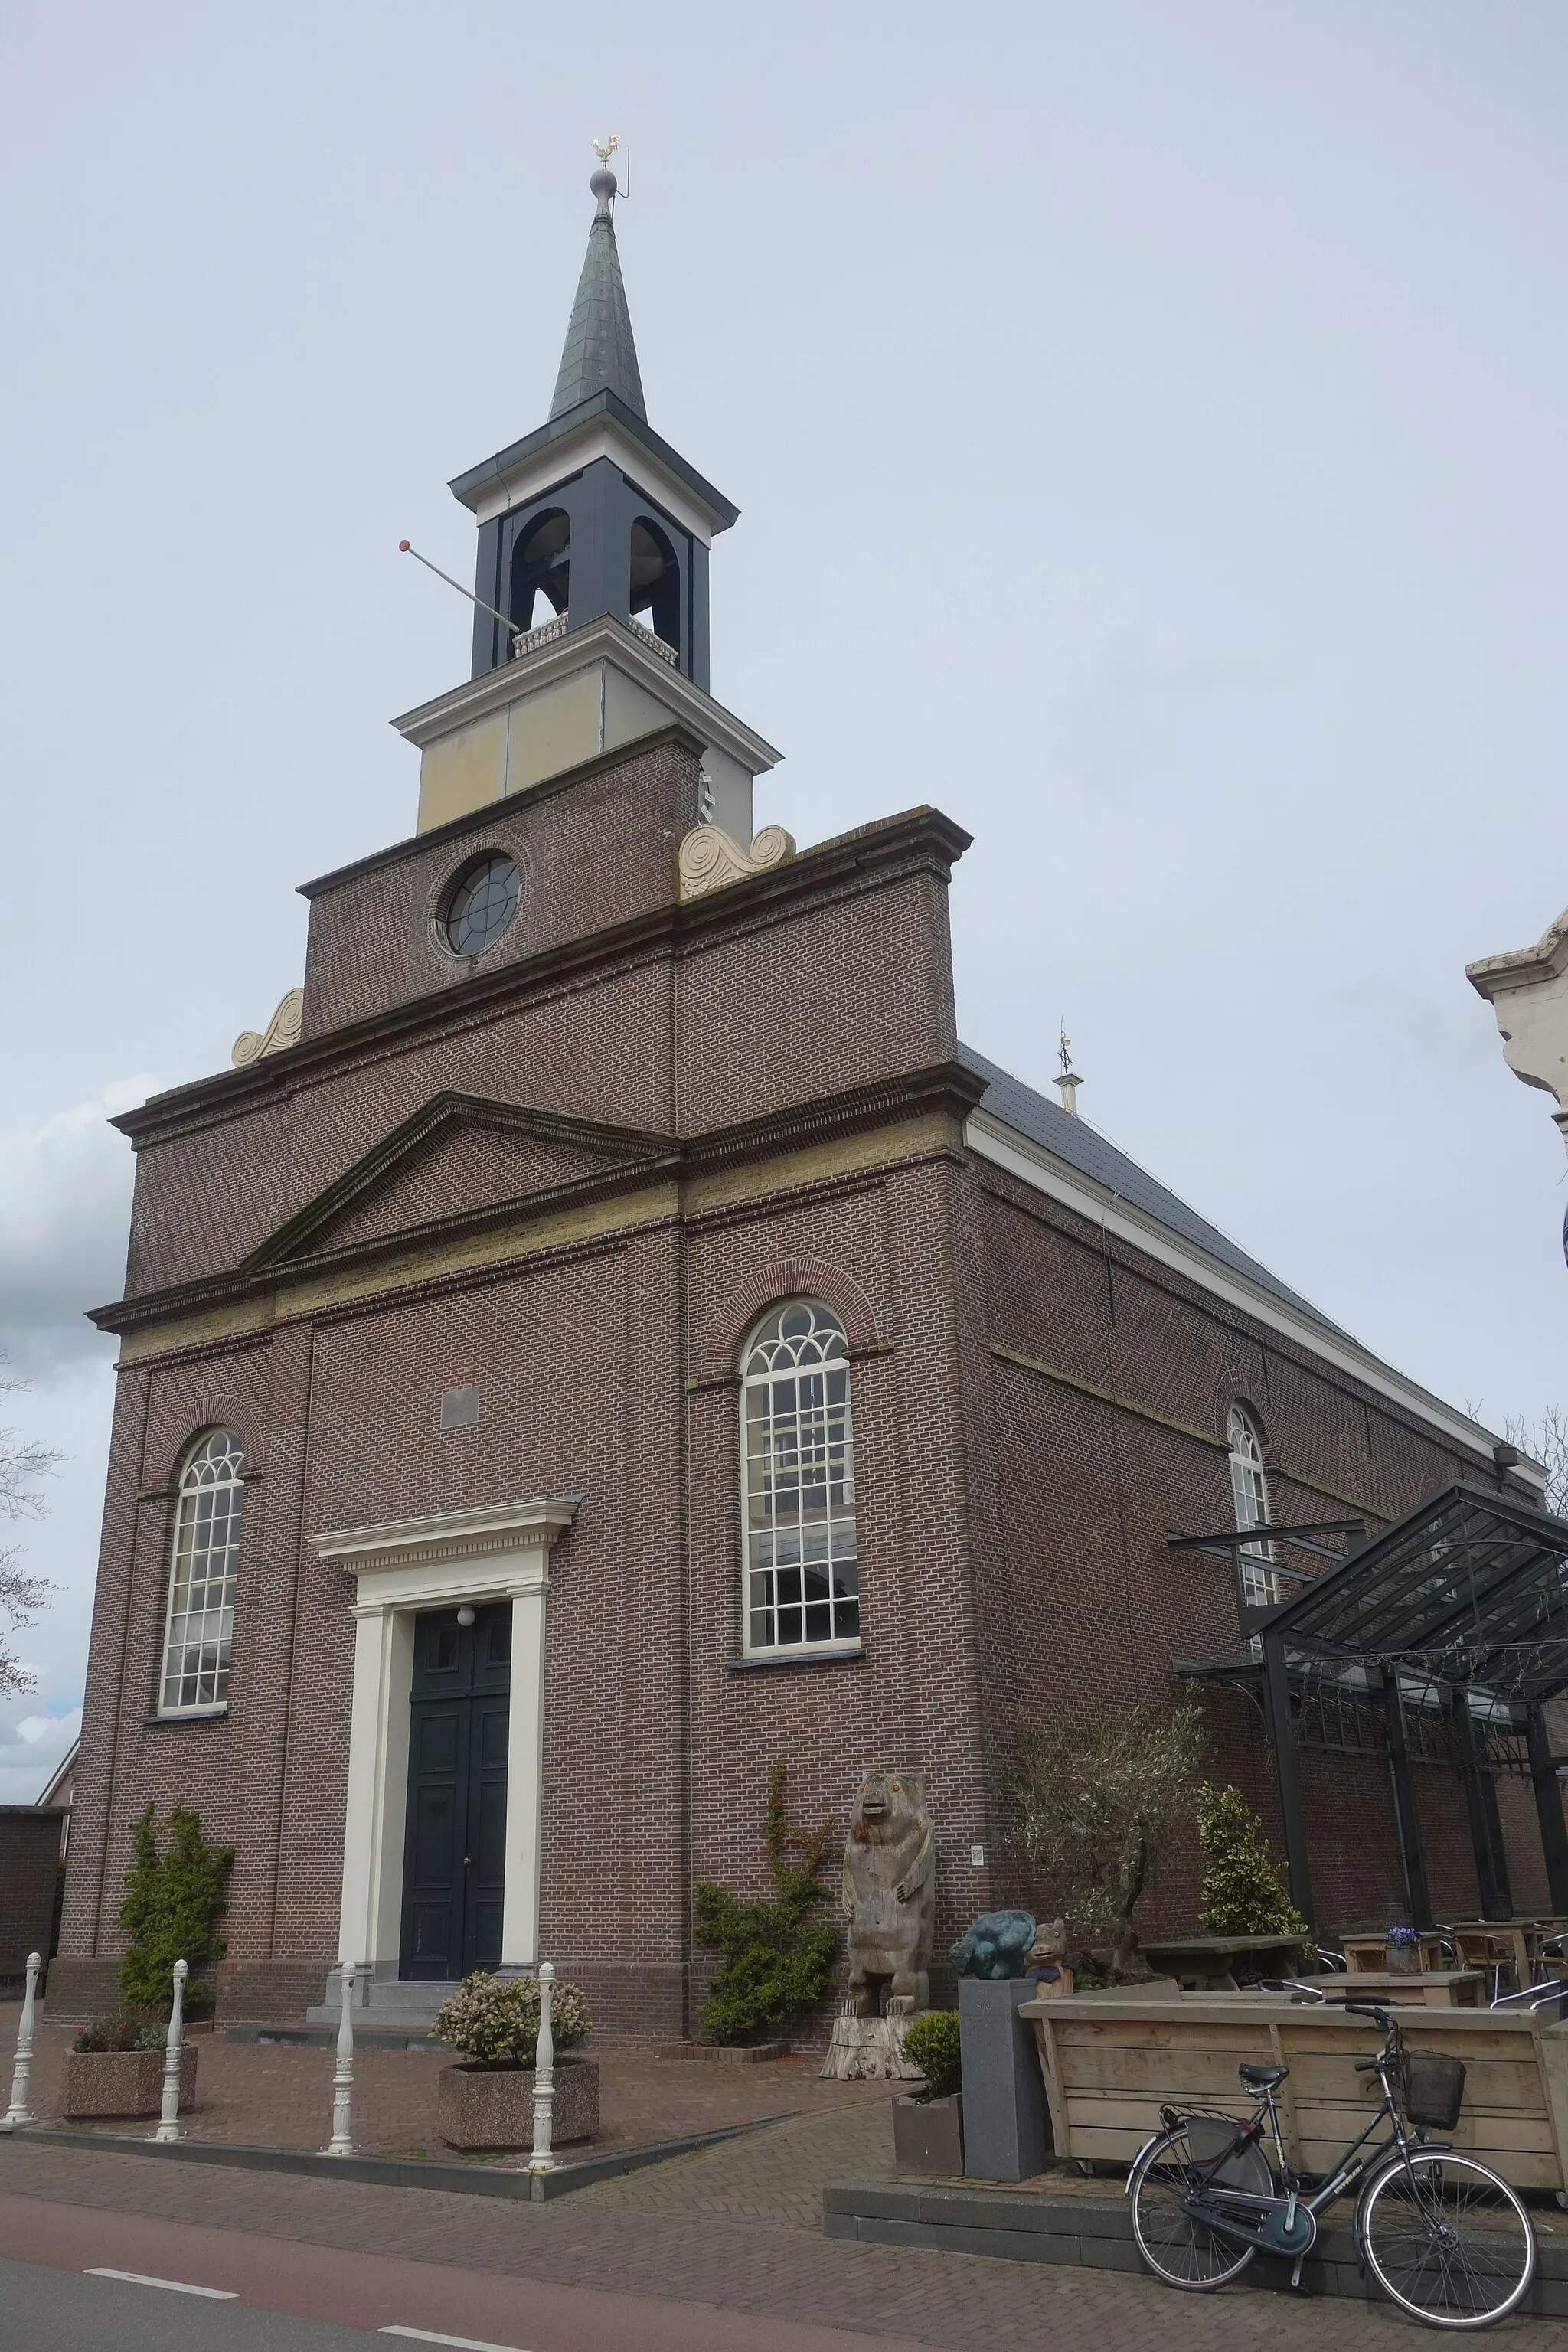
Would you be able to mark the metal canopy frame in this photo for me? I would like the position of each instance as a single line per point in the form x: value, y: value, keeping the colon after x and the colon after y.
x: 1465, y: 1596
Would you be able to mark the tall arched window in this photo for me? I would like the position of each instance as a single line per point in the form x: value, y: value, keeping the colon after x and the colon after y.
x: 803, y: 1585
x: 1250, y: 1492
x: 201, y: 1578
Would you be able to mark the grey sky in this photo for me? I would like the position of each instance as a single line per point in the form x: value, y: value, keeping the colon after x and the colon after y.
x: 1147, y: 424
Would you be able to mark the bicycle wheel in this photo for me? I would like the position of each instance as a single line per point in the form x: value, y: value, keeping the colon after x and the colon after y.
x: 1184, y: 2251
x: 1448, y: 2239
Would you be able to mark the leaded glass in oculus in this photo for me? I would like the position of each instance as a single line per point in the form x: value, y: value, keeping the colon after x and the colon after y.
x: 803, y: 1583
x: 482, y: 905
x: 1260, y: 1588
x: 201, y: 1579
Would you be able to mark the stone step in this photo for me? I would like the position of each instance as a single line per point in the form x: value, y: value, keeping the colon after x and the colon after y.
x: 386, y: 2000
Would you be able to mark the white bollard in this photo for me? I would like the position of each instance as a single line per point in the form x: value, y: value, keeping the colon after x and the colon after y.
x: 342, y: 2142
x: 18, y: 2112
x: 543, y: 2076
x: 169, y: 2121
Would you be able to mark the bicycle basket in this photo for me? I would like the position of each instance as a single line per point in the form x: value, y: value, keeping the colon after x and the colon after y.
x: 1432, y: 2089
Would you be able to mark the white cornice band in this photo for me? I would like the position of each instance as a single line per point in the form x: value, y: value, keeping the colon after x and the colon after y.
x: 1032, y: 1165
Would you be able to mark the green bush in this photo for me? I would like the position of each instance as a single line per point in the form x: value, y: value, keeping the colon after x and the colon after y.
x: 172, y: 1904
x: 931, y: 2043
x: 495, y: 2020
x: 1242, y: 1892
x: 776, y: 1958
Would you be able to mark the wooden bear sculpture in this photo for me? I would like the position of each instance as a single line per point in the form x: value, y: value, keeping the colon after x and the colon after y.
x: 890, y: 1884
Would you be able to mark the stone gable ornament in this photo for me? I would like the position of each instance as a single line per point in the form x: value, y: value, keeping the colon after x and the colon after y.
x: 889, y: 1894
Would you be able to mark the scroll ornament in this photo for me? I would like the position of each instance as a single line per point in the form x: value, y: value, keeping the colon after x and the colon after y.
x: 282, y: 1030
x: 710, y: 859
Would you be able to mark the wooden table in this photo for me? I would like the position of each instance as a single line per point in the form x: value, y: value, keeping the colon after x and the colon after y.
x: 1365, y: 1954
x: 1498, y: 1942
x: 1207, y: 1962
x: 1431, y: 1988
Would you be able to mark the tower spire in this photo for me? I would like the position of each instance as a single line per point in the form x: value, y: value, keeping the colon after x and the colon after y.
x: 599, y: 354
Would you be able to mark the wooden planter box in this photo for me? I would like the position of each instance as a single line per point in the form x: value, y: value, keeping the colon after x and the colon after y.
x: 928, y: 2136
x: 492, y: 2106
x: 121, y: 2083
x: 1110, y: 2061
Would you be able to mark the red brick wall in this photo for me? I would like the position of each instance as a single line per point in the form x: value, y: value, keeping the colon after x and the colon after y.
x: 1012, y: 1527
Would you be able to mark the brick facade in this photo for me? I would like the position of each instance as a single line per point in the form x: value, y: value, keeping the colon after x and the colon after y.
x: 30, y: 1884
x: 573, y: 1173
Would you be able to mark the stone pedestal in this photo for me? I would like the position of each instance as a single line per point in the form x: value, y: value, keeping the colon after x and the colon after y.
x: 1006, y: 2124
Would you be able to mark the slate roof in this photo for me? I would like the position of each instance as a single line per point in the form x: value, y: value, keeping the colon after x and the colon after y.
x: 1076, y: 1142
x: 599, y: 354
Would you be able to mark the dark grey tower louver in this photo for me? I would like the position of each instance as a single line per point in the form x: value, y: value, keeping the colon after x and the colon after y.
x: 599, y: 354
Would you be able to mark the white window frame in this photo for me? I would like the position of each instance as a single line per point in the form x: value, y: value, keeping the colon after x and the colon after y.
x: 1260, y: 1588
x: 209, y: 1502
x: 821, y: 1354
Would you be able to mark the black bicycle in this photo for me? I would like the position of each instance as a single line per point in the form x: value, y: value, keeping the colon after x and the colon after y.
x: 1445, y: 2237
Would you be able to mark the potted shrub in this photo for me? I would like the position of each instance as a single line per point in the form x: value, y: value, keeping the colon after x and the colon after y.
x: 116, y: 2068
x: 487, y: 2100
x: 1403, y: 1952
x: 927, y: 2128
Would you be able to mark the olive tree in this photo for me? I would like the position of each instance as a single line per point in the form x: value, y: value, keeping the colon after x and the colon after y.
x: 1094, y: 1799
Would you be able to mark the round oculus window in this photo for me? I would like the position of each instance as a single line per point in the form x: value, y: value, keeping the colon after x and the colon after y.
x: 483, y: 904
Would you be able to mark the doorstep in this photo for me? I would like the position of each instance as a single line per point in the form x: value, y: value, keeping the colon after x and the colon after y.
x: 1095, y: 2232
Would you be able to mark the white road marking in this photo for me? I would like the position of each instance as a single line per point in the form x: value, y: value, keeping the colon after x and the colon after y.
x: 464, y: 2343
x: 175, y: 2286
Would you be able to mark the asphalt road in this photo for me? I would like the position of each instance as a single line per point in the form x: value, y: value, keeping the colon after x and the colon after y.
x: 68, y: 2311
x: 278, y: 2295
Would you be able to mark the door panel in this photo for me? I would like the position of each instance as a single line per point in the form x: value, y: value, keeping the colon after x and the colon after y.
x: 454, y: 1851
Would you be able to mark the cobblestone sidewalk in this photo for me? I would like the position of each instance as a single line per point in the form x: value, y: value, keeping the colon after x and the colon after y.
x: 276, y: 2095
x: 737, y: 2227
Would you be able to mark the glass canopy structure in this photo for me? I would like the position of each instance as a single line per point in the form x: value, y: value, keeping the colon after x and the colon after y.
x: 1444, y: 1638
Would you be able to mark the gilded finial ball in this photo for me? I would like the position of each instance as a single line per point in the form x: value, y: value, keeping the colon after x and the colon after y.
x: 604, y: 184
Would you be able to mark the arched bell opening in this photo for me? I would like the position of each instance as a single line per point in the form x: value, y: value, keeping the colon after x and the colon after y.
x: 655, y: 596
x: 540, y: 570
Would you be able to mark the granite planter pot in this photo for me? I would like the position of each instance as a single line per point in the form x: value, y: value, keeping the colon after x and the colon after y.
x: 1404, y: 1959
x: 928, y: 2136
x: 121, y: 2083
x: 492, y: 2106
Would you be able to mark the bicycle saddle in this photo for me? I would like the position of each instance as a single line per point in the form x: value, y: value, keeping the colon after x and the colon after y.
x: 1262, y: 2078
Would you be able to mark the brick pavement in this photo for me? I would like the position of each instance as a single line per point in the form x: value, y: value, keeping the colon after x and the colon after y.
x: 275, y: 2095
x: 734, y: 2227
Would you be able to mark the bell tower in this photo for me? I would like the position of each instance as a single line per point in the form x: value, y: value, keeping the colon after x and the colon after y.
x: 591, y: 626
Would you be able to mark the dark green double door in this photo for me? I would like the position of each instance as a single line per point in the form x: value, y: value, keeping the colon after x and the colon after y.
x: 454, y: 1856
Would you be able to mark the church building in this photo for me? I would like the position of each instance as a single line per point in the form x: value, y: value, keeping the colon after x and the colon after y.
x: 607, y: 1335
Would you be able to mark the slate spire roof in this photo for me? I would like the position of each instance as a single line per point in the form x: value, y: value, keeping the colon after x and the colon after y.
x: 599, y: 353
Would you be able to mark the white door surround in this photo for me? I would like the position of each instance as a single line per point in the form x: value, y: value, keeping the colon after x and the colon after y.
x: 497, y: 1552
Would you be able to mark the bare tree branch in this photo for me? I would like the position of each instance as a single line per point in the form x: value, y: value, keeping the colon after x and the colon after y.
x: 1546, y: 1442
x: 21, y: 1462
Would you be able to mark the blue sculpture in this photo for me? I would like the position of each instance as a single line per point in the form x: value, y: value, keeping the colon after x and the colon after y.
x: 996, y: 1946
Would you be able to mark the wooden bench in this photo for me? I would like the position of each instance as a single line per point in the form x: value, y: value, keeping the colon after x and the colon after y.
x: 1111, y: 2060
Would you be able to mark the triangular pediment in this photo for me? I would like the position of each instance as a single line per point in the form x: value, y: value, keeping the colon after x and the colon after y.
x: 458, y: 1157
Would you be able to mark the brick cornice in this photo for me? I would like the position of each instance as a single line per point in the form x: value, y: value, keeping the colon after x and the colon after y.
x: 920, y: 839
x: 651, y: 1161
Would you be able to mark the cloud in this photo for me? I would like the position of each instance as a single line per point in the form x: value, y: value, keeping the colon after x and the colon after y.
x: 65, y: 1208
x: 30, y: 1752
x: 1111, y: 732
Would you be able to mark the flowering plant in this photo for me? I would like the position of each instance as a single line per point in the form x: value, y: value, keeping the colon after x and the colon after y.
x: 1403, y: 1938
x: 494, y: 2019
x: 125, y: 2031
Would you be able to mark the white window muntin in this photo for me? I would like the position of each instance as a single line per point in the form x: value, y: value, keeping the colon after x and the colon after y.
x: 1250, y: 1493
x: 202, y: 1569
x: 797, y: 1448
